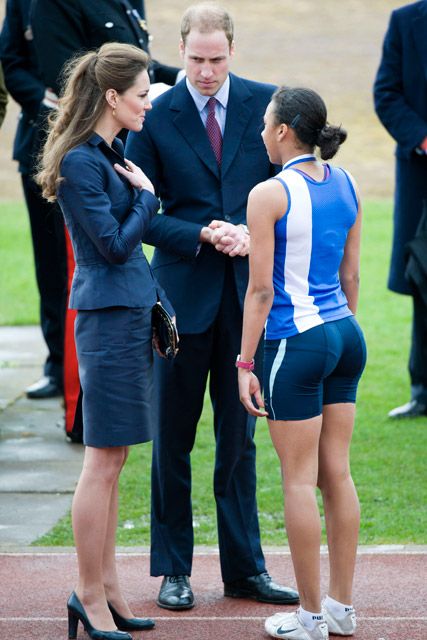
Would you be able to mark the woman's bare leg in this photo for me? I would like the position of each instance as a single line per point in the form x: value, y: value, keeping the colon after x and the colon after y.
x: 296, y: 443
x: 111, y: 580
x: 342, y: 513
x: 91, y: 516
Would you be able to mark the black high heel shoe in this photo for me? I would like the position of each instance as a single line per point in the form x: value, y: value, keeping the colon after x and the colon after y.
x: 131, y: 624
x: 76, y: 612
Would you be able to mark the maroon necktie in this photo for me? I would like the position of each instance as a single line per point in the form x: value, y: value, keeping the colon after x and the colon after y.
x: 213, y: 130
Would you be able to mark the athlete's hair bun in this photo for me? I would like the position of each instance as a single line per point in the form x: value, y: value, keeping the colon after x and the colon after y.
x: 329, y: 139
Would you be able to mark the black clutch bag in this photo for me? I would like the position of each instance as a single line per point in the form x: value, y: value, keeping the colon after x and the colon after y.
x: 165, y: 331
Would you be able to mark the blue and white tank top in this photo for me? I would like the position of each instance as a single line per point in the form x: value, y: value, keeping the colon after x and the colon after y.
x: 309, y: 246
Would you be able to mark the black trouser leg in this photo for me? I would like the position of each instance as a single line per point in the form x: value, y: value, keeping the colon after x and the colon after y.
x: 418, y: 353
x: 235, y: 463
x: 179, y: 387
x: 47, y: 231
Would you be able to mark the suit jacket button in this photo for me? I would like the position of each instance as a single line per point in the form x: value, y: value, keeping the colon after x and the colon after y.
x: 227, y: 217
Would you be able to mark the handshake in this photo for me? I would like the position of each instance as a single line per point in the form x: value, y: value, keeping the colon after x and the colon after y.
x: 231, y: 239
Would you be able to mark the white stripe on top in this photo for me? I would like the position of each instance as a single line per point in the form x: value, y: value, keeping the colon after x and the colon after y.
x: 298, y: 253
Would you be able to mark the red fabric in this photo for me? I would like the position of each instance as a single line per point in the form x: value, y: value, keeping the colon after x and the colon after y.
x: 71, y: 372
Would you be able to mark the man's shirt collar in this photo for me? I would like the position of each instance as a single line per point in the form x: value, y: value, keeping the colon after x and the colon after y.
x: 201, y: 101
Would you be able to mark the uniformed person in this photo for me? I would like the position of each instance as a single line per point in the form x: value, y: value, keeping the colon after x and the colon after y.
x: 27, y: 88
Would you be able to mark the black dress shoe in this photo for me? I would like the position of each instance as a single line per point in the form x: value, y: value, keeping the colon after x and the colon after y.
x: 175, y: 593
x: 131, y: 624
x: 261, y: 588
x: 411, y: 409
x: 46, y: 387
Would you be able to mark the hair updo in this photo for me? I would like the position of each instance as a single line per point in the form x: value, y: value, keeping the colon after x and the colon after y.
x: 305, y: 112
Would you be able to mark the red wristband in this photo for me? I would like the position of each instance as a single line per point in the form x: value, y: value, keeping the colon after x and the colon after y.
x: 241, y: 364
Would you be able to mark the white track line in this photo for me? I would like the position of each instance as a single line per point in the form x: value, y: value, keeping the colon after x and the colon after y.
x: 226, y: 618
x: 384, y: 550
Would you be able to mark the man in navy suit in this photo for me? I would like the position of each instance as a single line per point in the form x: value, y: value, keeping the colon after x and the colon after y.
x: 202, y: 149
x: 400, y: 94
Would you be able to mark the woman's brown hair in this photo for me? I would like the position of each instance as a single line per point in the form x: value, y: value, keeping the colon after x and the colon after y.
x: 87, y: 78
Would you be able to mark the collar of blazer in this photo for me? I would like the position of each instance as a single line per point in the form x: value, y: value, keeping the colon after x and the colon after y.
x: 116, y: 151
x: 419, y: 26
x: 187, y: 120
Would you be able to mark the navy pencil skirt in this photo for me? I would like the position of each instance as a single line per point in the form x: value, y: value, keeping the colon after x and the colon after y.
x: 115, y: 367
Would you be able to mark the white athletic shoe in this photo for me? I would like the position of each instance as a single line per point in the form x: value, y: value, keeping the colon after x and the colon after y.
x: 289, y: 627
x: 340, y: 626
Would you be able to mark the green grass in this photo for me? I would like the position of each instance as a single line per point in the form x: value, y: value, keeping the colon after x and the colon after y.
x: 388, y: 458
x: 18, y: 293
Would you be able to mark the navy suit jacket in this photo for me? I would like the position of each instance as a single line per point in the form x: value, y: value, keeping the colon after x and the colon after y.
x: 400, y: 90
x: 106, y: 218
x: 174, y: 150
x: 22, y: 78
x: 400, y: 94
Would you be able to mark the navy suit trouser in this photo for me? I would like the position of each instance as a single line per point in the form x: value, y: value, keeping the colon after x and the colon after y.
x: 47, y: 232
x: 418, y: 352
x: 411, y: 193
x: 180, y: 388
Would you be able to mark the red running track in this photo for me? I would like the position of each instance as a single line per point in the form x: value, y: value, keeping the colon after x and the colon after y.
x: 390, y: 597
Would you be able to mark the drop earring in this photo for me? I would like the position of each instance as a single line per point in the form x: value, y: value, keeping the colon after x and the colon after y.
x: 114, y: 112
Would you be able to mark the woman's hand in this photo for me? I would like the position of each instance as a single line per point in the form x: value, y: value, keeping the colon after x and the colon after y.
x: 135, y: 175
x: 249, y: 386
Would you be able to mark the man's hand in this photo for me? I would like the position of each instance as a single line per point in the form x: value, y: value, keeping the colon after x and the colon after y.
x: 229, y: 238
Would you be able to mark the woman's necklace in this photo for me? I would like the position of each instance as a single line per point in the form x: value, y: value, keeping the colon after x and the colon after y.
x: 307, y: 157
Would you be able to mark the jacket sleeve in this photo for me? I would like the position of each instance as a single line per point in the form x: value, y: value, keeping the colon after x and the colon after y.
x: 82, y: 196
x: 21, y: 82
x: 166, y: 232
x: 397, y: 116
x: 58, y: 35
x: 161, y: 295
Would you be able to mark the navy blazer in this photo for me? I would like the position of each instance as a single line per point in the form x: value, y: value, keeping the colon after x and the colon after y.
x: 106, y: 218
x: 63, y: 28
x: 174, y: 150
x: 400, y: 90
x: 22, y: 78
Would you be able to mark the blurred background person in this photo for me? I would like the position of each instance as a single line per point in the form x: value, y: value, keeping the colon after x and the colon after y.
x: 25, y: 85
x: 3, y: 96
x: 400, y: 94
x: 62, y: 29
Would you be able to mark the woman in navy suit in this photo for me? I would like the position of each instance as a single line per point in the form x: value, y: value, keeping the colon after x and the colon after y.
x: 107, y: 204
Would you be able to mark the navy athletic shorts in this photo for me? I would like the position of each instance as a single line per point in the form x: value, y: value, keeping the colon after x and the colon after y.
x: 320, y: 366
